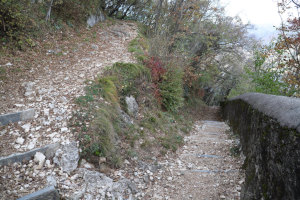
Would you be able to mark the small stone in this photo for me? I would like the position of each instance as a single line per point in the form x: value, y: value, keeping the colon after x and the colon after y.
x: 75, y: 177
x: 88, y: 165
x: 50, y: 51
x: 95, y: 46
x: 65, y: 129
x: 8, y: 64
x: 169, y: 178
x: 48, y: 164
x: 102, y: 160
x: 126, y: 162
x: 31, y: 145
x: 3, y: 132
x: 46, y: 111
x: 222, y: 197
x: 190, y: 165
x: 19, y: 105
x: 46, y: 123
x: 51, y: 181
x: 26, y: 127
x: 146, y: 179
x: 42, y: 174
x: 20, y: 140
x: 40, y: 159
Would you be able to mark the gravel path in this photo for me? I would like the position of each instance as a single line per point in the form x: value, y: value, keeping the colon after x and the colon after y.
x: 202, y: 169
x: 53, y: 91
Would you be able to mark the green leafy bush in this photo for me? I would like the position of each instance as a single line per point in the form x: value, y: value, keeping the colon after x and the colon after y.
x: 128, y: 77
x: 171, y: 89
x: 15, y: 22
x: 263, y: 79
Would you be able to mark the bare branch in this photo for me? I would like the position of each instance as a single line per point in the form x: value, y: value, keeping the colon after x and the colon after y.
x: 297, y: 4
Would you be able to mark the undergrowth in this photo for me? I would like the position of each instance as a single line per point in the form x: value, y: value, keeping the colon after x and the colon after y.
x: 105, y: 127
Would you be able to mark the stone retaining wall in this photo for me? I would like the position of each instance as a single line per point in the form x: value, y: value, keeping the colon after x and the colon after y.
x: 269, y: 130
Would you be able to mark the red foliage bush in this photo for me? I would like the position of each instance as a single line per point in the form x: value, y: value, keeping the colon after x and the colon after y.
x: 157, y: 72
x: 157, y: 69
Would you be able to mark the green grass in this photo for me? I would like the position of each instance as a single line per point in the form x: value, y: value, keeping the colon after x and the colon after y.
x: 2, y: 73
x: 171, y: 141
x: 138, y: 46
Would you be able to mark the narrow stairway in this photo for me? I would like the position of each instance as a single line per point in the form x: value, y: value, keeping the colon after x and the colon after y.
x: 203, y: 168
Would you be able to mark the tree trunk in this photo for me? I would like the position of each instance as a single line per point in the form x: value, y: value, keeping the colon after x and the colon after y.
x: 49, y: 11
x: 3, y: 23
x: 158, y: 14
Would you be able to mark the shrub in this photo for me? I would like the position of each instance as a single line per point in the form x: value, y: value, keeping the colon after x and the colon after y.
x: 15, y: 22
x: 171, y: 89
x: 128, y: 77
x: 157, y: 72
x: 167, y: 83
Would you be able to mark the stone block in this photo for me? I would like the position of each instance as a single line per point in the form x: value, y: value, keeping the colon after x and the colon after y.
x: 49, y: 193
x: 16, y: 117
x: 48, y: 151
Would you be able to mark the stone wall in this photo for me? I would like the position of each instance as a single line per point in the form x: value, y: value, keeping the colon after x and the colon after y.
x: 269, y: 130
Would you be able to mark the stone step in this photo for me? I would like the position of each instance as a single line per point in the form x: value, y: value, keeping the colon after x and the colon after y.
x: 49, y: 193
x: 17, y: 116
x: 48, y: 151
x: 212, y: 171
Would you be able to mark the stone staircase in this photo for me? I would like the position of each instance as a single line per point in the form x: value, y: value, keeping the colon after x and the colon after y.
x: 203, y: 168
